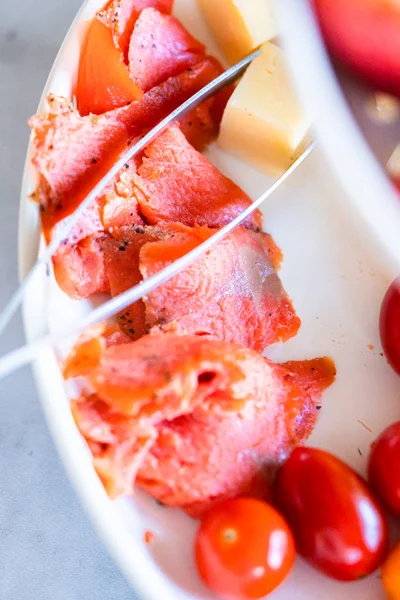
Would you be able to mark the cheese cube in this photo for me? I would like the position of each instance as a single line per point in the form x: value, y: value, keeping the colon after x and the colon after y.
x: 240, y: 26
x: 263, y: 123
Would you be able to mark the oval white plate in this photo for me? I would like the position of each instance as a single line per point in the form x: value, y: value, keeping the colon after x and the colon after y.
x: 336, y: 278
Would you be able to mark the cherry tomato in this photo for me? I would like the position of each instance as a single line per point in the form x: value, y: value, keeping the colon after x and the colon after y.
x: 384, y: 468
x: 338, y: 525
x: 389, y: 325
x: 365, y: 36
x: 104, y: 82
x: 244, y: 549
x: 391, y: 574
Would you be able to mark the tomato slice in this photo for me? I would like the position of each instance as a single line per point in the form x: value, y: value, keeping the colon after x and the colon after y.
x: 104, y: 82
x: 244, y: 549
x: 389, y: 325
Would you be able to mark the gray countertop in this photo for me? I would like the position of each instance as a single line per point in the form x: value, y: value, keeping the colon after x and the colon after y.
x: 48, y: 549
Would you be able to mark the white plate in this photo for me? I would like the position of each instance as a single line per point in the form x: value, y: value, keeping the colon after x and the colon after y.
x: 339, y: 135
x: 336, y: 278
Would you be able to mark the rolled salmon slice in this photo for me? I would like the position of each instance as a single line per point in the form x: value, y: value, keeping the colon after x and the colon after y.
x: 193, y: 420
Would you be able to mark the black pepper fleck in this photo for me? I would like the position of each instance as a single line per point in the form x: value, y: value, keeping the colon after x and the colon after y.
x: 122, y: 248
x: 94, y: 160
x: 318, y: 407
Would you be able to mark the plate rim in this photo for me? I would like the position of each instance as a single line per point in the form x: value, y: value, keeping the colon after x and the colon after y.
x: 129, y: 555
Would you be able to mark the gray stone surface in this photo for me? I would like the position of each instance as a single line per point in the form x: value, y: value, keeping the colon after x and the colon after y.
x: 48, y: 549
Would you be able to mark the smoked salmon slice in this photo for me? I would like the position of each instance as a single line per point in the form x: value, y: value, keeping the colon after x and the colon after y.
x: 79, y: 268
x: 104, y: 80
x: 232, y: 293
x: 121, y: 260
x: 78, y: 263
x: 160, y: 47
x: 175, y: 183
x: 72, y: 153
x: 192, y: 420
x: 121, y: 15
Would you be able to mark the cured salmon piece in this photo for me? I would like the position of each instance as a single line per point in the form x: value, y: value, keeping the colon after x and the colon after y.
x: 104, y: 81
x: 232, y: 293
x: 175, y: 183
x: 79, y: 268
x: 72, y: 153
x: 79, y: 261
x: 120, y: 207
x: 121, y: 259
x: 310, y: 376
x: 87, y: 352
x: 121, y: 15
x: 193, y: 420
x: 198, y: 126
x: 201, y: 125
x: 160, y: 47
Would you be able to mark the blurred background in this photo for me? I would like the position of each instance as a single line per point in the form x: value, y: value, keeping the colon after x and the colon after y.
x: 48, y: 549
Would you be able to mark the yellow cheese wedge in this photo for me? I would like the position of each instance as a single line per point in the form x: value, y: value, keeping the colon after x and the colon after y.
x: 263, y: 123
x: 240, y: 26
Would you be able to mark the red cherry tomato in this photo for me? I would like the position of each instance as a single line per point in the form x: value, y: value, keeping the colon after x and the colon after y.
x: 384, y: 468
x: 104, y: 82
x: 389, y: 325
x: 338, y: 525
x: 244, y: 549
x: 365, y: 36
